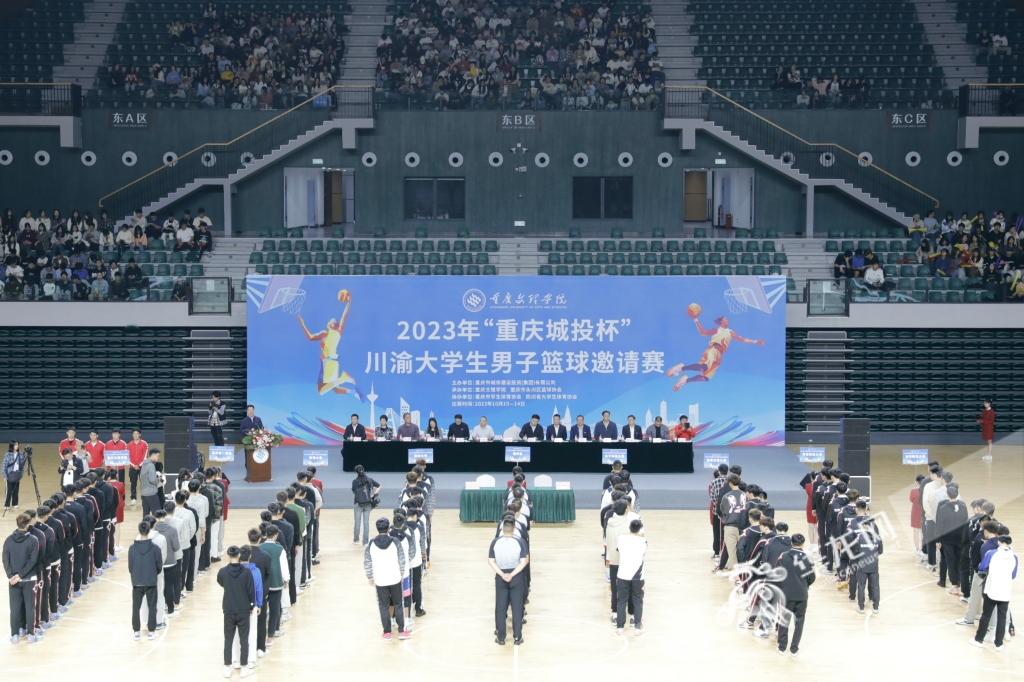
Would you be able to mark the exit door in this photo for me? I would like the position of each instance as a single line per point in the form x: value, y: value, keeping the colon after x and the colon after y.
x: 695, y: 195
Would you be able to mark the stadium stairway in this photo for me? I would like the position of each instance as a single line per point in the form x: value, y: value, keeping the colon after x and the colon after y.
x: 949, y: 39
x: 366, y: 23
x: 84, y: 57
x: 688, y: 126
x: 675, y: 42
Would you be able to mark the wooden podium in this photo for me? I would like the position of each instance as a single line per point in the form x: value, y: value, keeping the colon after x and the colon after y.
x: 258, y: 465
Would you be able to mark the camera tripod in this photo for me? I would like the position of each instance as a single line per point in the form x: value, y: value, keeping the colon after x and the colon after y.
x: 30, y: 469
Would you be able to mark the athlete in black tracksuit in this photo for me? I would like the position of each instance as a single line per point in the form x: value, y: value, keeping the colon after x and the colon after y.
x: 47, y: 561
x: 799, y: 575
x: 866, y: 548
x: 67, y: 557
x: 80, y: 540
x: 56, y: 524
x: 21, y: 559
x: 40, y: 569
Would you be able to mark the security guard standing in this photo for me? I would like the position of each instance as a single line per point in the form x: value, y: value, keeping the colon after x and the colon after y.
x: 508, y: 557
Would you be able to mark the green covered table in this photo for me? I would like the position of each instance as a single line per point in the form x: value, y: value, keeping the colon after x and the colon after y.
x: 486, y: 504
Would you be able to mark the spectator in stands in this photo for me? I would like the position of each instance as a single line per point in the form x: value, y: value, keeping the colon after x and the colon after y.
x: 124, y: 239
x: 64, y: 290
x: 835, y: 92
x: 139, y: 240
x: 942, y: 264
x: 185, y: 237
x: 182, y: 291
x: 984, y: 42
x: 924, y: 252
x: 100, y: 289
x: 803, y: 100
x: 201, y: 219
x: 793, y: 78
x: 1000, y: 44
x: 133, y: 274
x: 780, y: 77
x: 204, y: 240
x: 916, y: 229
x: 874, y: 277
x: 118, y: 289
x: 30, y: 282
x: 857, y: 264
x: 79, y: 288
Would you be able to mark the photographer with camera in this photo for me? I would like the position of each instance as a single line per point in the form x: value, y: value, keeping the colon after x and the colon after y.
x: 216, y: 410
x: 13, y: 470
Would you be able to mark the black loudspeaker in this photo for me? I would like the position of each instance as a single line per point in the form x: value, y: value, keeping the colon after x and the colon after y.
x: 179, y: 447
x: 855, y: 446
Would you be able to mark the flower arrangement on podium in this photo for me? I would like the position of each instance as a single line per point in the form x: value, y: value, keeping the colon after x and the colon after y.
x: 261, y: 439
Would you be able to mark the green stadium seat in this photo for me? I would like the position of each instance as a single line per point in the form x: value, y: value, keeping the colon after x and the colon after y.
x: 288, y: 257
x: 704, y: 246
x: 725, y: 270
x: 936, y: 297
x: 579, y: 270
x: 294, y: 269
x: 176, y: 257
x: 742, y: 270
x: 560, y: 245
x: 195, y: 270
x: 376, y: 270
x: 611, y: 270
x: 736, y: 246
x: 672, y: 245
x: 689, y: 245
x: 627, y: 271
x: 358, y: 269
x: 660, y: 271
x: 594, y: 270
x: 954, y: 297
x: 305, y: 258
x: 939, y: 283
x: 147, y: 270
x: 301, y: 245
x: 421, y: 233
x: 326, y: 269
x: 757, y: 233
x: 343, y: 269
x: 268, y: 245
x: 692, y: 270
x: 700, y: 233
x: 764, y: 259
x: 393, y: 270
x: 459, y: 245
x: 616, y: 233
x: 320, y: 257
x: 444, y: 245
x: 316, y: 244
x: 715, y: 258
x: 309, y: 270
x: 779, y: 258
x: 675, y: 270
x: 554, y: 259
x: 255, y: 257
x: 708, y: 270
x: 721, y: 246
x: 644, y: 270
x: 277, y: 269
x: 492, y: 246
x: 348, y: 245
x: 562, y: 270
x: 179, y: 270
x: 260, y: 270
x: 490, y: 270
x: 284, y: 245
x: 774, y: 270
x: 544, y: 245
x: 757, y: 271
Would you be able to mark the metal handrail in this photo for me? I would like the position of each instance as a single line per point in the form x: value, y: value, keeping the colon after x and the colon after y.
x: 991, y: 99
x: 709, y: 103
x: 362, y: 108
x: 41, y: 99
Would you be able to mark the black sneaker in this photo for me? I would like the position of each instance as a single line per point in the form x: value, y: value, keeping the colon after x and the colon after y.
x: 500, y: 641
x: 214, y: 560
x: 518, y: 641
x: 420, y: 612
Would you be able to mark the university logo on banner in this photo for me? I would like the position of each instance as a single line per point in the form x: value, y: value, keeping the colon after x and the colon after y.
x: 908, y: 120
x: 523, y: 121
x: 131, y: 119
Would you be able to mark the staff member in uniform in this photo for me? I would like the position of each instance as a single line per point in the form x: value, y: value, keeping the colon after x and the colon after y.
x: 556, y: 430
x: 508, y: 557
x: 458, y: 429
x: 115, y: 444
x: 138, y: 452
x: 533, y: 429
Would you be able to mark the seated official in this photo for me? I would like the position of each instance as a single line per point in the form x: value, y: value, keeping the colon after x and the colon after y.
x: 579, y: 430
x: 632, y: 429
x: 483, y: 432
x: 408, y: 429
x: 658, y: 430
x: 458, y: 429
x: 683, y: 431
x: 556, y: 430
x: 355, y: 429
x: 533, y: 429
x: 606, y: 428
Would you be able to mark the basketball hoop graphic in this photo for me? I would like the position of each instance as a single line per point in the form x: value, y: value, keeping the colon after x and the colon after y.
x: 737, y: 299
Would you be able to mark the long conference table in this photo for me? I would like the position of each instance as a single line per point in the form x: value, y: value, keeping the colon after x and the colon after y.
x: 545, y: 456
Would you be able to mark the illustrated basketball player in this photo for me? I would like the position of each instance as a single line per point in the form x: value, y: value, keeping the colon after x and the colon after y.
x: 331, y: 377
x: 721, y: 337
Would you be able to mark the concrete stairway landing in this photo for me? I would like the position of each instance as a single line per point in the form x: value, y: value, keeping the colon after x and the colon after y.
x: 93, y: 35
x: 949, y: 39
x: 365, y: 24
x: 675, y: 43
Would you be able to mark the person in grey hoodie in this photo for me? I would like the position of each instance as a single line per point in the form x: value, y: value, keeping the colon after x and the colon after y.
x: 150, y: 480
x: 144, y: 565
x: 171, y: 557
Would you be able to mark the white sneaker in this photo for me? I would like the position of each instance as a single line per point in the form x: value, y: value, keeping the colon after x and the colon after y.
x: 236, y: 665
x: 261, y: 653
x: 986, y: 458
x: 286, y: 616
x: 974, y: 642
x: 247, y: 672
x: 133, y: 504
x: 227, y: 671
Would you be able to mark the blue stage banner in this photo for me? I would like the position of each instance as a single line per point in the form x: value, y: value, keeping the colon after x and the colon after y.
x: 713, y: 348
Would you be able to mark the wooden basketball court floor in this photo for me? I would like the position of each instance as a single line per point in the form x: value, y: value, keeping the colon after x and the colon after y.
x: 689, y: 627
